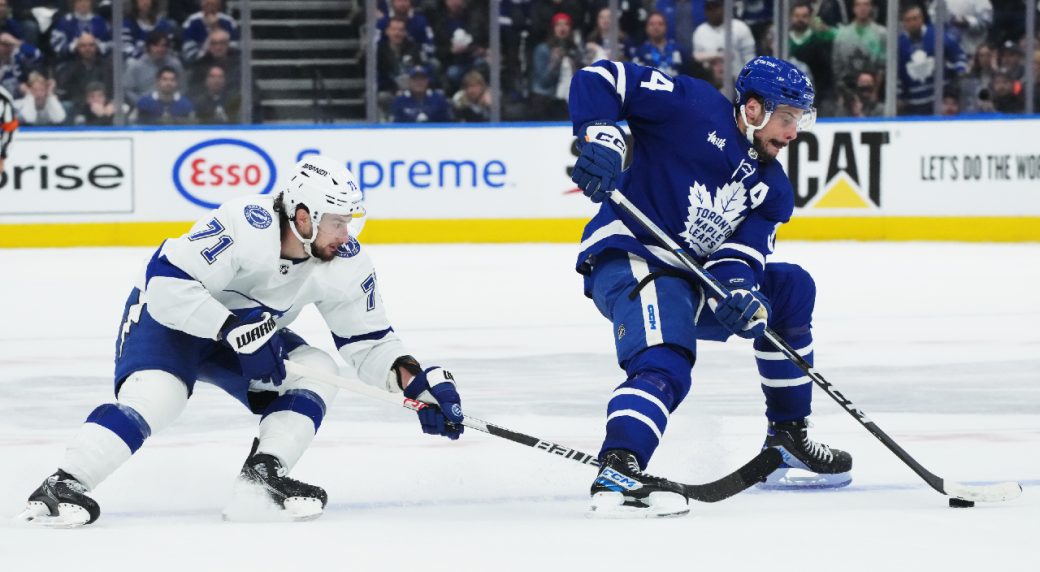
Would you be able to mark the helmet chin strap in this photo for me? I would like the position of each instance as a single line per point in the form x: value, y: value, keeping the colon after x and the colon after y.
x: 749, y: 129
x: 306, y: 241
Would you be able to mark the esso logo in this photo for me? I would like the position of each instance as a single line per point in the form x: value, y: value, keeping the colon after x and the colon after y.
x: 211, y: 172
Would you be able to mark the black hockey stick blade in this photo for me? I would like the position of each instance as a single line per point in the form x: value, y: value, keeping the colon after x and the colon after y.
x: 756, y: 470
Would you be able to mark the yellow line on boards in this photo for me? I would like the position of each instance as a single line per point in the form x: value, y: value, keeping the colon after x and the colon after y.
x: 400, y: 231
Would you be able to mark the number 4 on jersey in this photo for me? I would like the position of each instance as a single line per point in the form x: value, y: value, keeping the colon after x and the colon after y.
x: 658, y: 82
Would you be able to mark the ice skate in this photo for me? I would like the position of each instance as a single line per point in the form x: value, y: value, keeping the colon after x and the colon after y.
x: 60, y: 502
x: 263, y: 492
x: 807, y: 464
x: 622, y: 490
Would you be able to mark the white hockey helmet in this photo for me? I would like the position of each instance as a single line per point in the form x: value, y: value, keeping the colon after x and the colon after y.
x: 323, y: 186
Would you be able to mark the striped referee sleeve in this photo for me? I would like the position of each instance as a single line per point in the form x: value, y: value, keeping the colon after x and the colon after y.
x: 8, y: 122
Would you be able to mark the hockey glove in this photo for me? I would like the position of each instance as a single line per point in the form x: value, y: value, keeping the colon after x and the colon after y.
x: 743, y: 312
x: 436, y: 386
x: 602, y: 146
x: 255, y: 339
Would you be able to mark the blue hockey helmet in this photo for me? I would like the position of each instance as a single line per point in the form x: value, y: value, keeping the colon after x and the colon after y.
x: 776, y: 82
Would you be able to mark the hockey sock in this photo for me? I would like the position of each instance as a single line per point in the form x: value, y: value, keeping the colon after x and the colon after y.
x: 637, y: 414
x: 289, y: 425
x: 787, y: 389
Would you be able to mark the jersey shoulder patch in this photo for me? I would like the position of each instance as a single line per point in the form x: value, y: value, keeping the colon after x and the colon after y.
x: 349, y: 249
x: 257, y: 216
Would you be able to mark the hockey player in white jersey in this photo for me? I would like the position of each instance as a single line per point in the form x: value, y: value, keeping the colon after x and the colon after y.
x: 213, y: 306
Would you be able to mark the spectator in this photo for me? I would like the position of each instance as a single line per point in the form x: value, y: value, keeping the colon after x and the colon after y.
x: 165, y: 105
x: 709, y: 40
x: 848, y: 103
x: 967, y: 22
x: 144, y: 19
x: 418, y: 27
x: 1012, y: 60
x: 1036, y: 79
x: 1008, y: 21
x: 978, y: 79
x: 658, y: 51
x: 828, y: 14
x: 859, y: 45
x: 199, y: 28
x: 951, y: 103
x: 9, y: 24
x: 867, y: 89
x: 95, y: 109
x: 17, y: 59
x: 420, y: 104
x: 472, y: 103
x: 543, y: 14
x: 681, y: 18
x: 554, y: 63
x: 917, y: 63
x: 460, y: 35
x: 40, y: 106
x: 72, y: 25
x: 141, y: 73
x: 87, y: 67
x: 632, y: 15
x: 396, y: 55
x: 812, y: 44
x: 597, y: 45
x: 1007, y: 93
x: 217, y: 103
x: 758, y: 15
x: 218, y: 53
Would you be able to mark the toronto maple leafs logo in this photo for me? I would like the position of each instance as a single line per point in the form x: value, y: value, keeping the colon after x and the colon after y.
x: 921, y: 66
x: 713, y: 218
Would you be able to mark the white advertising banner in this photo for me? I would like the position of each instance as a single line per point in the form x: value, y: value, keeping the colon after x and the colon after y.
x: 859, y: 169
x: 917, y: 168
x: 423, y: 173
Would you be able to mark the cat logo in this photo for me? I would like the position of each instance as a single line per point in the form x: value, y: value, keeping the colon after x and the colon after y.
x: 846, y: 175
x: 620, y: 332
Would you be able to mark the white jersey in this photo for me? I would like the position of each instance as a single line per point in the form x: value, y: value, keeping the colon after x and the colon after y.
x: 231, y: 260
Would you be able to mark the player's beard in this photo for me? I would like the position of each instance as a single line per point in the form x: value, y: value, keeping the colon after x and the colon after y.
x: 325, y: 253
x: 762, y: 148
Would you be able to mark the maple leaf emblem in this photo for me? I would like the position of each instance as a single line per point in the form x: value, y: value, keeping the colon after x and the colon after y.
x: 711, y: 219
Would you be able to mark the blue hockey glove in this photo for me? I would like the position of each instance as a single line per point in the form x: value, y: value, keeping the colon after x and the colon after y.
x: 743, y: 312
x: 255, y: 339
x: 436, y: 386
x: 596, y: 172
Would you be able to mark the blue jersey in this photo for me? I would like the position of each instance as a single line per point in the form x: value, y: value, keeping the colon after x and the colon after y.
x: 693, y: 173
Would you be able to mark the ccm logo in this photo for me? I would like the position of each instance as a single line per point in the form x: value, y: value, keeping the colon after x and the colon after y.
x: 211, y: 172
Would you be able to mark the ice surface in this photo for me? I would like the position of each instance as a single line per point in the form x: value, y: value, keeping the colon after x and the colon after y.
x: 938, y: 343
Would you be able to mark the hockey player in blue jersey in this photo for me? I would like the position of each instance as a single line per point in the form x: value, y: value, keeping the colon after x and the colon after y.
x: 704, y: 170
x: 212, y: 305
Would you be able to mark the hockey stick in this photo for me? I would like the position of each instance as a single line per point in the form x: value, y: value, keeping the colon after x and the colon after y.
x: 757, y: 469
x: 984, y: 493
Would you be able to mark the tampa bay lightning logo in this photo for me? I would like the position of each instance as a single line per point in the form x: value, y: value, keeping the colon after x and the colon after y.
x: 456, y: 410
x: 349, y: 249
x: 257, y: 216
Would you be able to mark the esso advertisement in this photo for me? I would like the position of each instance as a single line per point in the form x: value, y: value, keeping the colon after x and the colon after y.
x: 214, y: 171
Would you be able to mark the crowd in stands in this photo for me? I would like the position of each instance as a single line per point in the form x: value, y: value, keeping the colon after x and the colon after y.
x: 180, y: 62
x: 433, y: 62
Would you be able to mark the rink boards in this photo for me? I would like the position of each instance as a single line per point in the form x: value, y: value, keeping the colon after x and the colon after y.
x: 966, y: 180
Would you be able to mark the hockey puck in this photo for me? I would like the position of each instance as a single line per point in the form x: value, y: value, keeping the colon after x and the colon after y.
x: 961, y: 503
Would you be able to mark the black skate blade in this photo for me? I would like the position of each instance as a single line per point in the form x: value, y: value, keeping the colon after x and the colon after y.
x: 754, y: 471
